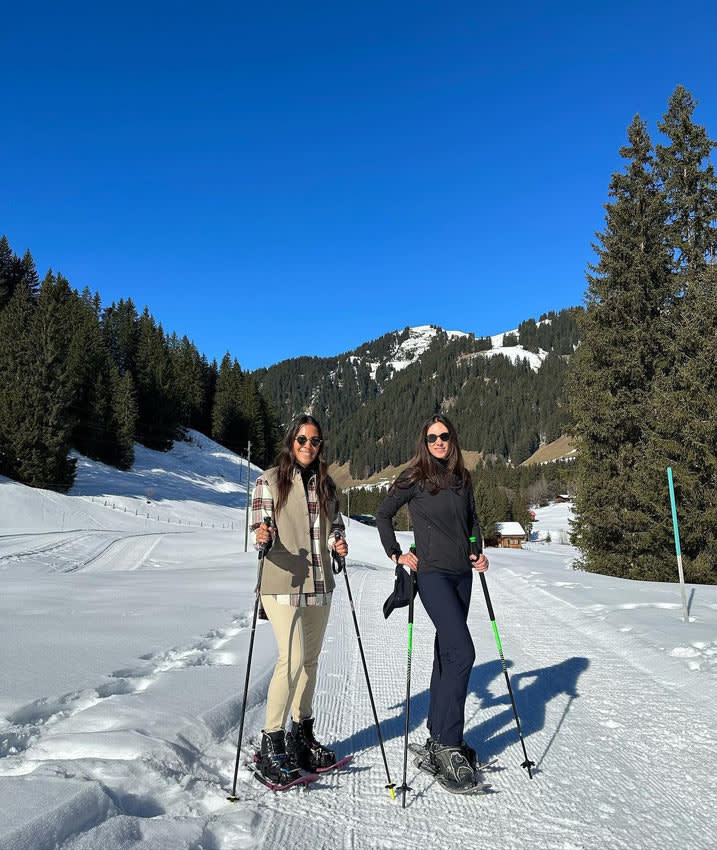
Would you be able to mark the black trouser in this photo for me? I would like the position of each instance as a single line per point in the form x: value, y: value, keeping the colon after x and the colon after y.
x: 446, y: 598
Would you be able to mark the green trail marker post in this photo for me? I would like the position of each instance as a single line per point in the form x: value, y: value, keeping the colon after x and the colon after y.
x: 680, y: 571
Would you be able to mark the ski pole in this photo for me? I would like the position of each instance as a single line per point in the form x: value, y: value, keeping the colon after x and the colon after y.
x: 527, y: 764
x: 338, y: 566
x: 262, y: 552
x: 404, y: 786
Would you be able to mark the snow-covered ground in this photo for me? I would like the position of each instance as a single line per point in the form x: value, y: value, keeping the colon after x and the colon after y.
x: 552, y: 523
x: 124, y: 625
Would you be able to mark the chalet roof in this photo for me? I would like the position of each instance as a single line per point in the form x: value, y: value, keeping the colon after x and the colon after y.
x: 510, y: 529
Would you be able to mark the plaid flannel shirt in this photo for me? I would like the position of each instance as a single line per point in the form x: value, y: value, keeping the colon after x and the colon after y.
x: 262, y: 505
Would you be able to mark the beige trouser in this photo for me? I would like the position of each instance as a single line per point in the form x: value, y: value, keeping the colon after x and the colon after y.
x: 299, y: 634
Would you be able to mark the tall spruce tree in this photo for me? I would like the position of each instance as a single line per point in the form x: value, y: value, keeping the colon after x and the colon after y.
x: 89, y: 366
x: 189, y: 379
x: 123, y: 418
x: 492, y: 505
x: 7, y: 261
x: 629, y: 296
x: 271, y: 433
x: 685, y: 436
x: 689, y: 184
x: 230, y: 424
x: 28, y: 273
x: 686, y: 433
x: 120, y: 326
x: 157, y: 395
x: 13, y: 272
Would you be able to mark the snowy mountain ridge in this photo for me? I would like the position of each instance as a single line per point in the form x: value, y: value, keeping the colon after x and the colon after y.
x: 412, y: 343
x: 406, y: 351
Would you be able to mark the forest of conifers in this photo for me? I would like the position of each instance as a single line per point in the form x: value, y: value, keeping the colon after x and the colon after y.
x: 79, y: 376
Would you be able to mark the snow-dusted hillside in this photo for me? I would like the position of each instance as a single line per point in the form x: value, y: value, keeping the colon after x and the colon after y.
x: 404, y: 353
x: 515, y: 353
x: 422, y: 336
x: 124, y: 626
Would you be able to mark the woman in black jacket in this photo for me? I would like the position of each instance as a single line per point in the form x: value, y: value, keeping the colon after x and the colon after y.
x: 439, y: 494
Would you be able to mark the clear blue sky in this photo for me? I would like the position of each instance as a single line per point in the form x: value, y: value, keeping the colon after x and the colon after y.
x: 287, y: 178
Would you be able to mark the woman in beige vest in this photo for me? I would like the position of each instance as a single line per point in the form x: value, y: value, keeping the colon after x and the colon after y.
x: 300, y: 498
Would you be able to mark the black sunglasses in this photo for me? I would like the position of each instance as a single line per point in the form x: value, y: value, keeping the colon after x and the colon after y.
x: 444, y: 437
x: 302, y: 440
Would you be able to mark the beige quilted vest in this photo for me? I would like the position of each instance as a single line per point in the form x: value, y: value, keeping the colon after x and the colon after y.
x: 287, y: 566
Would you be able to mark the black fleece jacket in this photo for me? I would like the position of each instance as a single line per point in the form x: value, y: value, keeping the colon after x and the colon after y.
x: 442, y: 524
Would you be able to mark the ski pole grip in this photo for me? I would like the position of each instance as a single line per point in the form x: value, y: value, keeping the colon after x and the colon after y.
x: 266, y: 546
x: 484, y: 585
x: 414, y: 574
x: 338, y: 563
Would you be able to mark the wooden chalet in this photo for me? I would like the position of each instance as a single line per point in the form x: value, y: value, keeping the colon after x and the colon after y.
x: 511, y: 535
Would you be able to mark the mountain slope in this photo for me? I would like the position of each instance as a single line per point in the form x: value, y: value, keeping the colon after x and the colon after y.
x: 503, y: 392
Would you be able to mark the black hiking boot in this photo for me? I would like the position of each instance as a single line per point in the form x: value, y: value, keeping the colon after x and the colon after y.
x: 426, y: 749
x: 470, y: 754
x: 454, y: 768
x: 273, y: 762
x: 306, y: 751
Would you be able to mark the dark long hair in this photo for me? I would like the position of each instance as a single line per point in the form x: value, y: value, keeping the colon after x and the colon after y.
x: 286, y: 463
x: 424, y: 469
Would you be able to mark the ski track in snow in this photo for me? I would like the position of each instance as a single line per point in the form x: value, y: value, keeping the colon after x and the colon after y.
x: 82, y: 548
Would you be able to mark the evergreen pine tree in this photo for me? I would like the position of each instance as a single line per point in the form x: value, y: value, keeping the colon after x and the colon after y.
x: 14, y: 271
x: 157, y: 396
x: 123, y: 418
x: 683, y: 435
x: 689, y: 184
x: 29, y: 273
x: 189, y: 378
x: 209, y: 371
x: 7, y: 268
x: 120, y: 326
x: 89, y: 372
x: 271, y: 433
x: 630, y: 291
x: 230, y: 426
x: 492, y: 504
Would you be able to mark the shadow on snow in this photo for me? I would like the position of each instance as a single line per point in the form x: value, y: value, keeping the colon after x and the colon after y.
x: 532, y: 690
